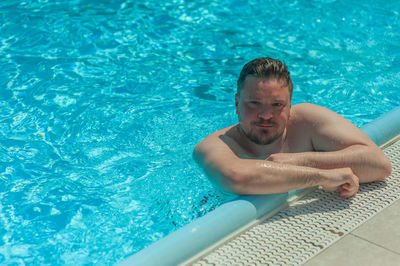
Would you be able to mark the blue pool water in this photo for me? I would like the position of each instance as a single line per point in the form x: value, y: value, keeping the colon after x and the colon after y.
x: 102, y: 103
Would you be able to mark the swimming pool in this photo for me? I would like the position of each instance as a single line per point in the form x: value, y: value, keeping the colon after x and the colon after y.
x: 101, y: 105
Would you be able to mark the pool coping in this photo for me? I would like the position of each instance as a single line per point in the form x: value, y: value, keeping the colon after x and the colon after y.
x: 196, y: 239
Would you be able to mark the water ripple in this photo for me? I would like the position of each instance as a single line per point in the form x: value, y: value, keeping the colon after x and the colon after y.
x: 101, y: 104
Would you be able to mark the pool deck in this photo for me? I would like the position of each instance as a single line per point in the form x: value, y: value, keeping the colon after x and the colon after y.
x: 376, y: 242
x: 323, y: 229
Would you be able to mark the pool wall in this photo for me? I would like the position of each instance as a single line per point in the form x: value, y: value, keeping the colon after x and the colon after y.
x: 195, y: 239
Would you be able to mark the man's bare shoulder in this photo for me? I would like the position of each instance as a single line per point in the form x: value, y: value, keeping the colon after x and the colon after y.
x: 228, y: 131
x: 318, y: 116
x: 308, y: 112
x: 216, y: 136
x: 328, y: 129
x: 224, y: 139
x: 313, y: 117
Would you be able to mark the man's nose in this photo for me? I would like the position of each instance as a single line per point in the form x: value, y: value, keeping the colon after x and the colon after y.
x: 265, y: 113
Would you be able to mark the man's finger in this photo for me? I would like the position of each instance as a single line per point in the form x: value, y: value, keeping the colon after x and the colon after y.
x: 345, y: 186
x: 347, y: 193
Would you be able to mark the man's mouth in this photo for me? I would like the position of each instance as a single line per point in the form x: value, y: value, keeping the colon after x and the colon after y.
x: 264, y: 125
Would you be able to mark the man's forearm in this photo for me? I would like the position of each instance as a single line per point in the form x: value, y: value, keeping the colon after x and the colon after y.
x: 261, y: 177
x: 368, y: 163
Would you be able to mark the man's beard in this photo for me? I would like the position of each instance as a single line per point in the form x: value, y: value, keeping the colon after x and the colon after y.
x: 254, y: 137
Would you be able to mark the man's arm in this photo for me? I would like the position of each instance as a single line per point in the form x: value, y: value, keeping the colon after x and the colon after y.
x: 342, y: 145
x: 247, y: 176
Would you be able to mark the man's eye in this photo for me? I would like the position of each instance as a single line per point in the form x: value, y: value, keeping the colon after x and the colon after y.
x: 277, y: 104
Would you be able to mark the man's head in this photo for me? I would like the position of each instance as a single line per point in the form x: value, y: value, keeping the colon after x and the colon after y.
x: 263, y: 100
x: 268, y: 68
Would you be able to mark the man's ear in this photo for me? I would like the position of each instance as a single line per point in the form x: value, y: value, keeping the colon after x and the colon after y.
x: 236, y: 102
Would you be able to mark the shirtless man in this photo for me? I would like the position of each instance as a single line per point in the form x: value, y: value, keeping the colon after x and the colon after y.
x: 277, y: 147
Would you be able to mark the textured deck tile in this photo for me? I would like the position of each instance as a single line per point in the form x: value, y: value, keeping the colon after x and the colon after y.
x: 383, y: 229
x: 351, y: 250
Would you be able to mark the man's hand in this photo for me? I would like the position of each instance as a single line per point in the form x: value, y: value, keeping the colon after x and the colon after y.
x: 342, y: 180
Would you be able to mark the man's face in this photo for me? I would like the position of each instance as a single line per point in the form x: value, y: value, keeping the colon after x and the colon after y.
x: 263, y: 109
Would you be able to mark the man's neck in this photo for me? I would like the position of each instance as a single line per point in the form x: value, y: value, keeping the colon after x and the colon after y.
x: 260, y: 151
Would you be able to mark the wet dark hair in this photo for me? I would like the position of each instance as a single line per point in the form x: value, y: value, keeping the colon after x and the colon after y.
x: 265, y: 67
